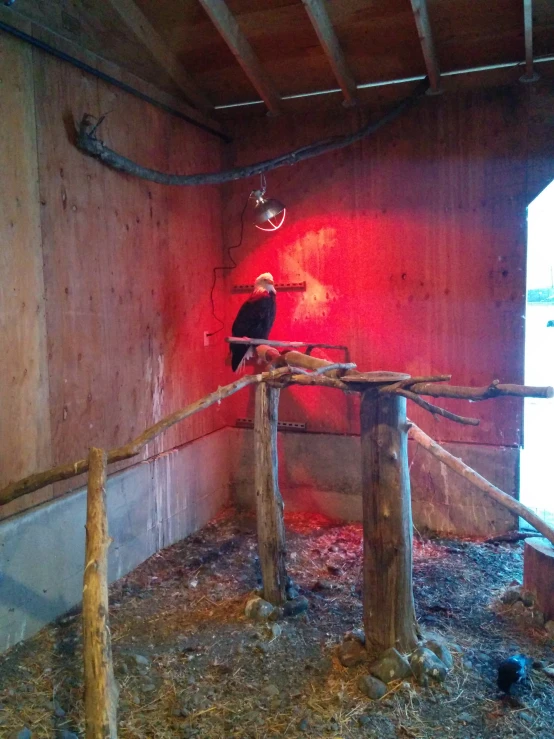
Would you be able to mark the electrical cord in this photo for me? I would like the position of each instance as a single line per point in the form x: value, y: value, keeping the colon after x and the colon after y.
x: 222, y: 269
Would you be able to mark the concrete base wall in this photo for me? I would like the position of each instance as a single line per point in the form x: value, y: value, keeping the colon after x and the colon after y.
x: 150, y: 506
x: 321, y: 472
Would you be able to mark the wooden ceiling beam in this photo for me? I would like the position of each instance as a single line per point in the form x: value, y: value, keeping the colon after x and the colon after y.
x: 530, y: 74
x: 239, y: 45
x: 138, y: 23
x: 421, y: 16
x: 319, y: 17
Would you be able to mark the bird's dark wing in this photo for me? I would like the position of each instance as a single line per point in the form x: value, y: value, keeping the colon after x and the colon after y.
x: 254, y: 319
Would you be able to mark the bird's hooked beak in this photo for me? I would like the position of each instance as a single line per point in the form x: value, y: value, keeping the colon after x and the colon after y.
x: 271, y: 287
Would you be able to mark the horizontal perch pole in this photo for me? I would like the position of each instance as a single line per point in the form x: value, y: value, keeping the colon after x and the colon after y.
x: 494, y: 390
x: 89, y: 144
x: 480, y: 482
x: 285, y: 344
x: 65, y: 471
x: 277, y: 378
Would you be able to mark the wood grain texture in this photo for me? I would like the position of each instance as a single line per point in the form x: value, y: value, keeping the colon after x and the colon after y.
x: 538, y: 573
x: 132, y: 17
x: 127, y: 270
x: 24, y: 393
x: 269, y: 503
x: 73, y: 49
x: 319, y: 17
x: 379, y: 41
x: 101, y: 691
x: 412, y: 246
x: 389, y: 611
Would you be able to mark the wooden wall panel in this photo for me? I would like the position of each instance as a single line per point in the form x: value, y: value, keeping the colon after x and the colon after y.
x: 128, y: 267
x: 24, y: 413
x: 127, y: 272
x: 412, y: 245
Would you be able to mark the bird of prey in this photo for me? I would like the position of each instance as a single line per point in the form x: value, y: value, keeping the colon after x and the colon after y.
x: 254, y: 319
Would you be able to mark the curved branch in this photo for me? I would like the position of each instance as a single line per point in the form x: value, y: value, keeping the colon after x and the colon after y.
x: 435, y: 410
x: 88, y: 143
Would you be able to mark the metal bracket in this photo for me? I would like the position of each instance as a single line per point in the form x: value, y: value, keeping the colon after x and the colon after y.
x: 248, y: 423
x: 280, y: 286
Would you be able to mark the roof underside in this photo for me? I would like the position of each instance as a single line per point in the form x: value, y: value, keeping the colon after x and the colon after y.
x: 377, y: 40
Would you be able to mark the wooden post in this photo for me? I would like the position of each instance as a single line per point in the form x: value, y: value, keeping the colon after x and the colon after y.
x: 389, y: 614
x: 101, y: 692
x: 538, y: 573
x: 269, y: 504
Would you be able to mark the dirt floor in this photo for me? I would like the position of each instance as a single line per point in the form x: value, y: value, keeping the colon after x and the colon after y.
x: 190, y: 664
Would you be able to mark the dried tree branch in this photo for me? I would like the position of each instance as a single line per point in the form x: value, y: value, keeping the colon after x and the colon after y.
x: 494, y: 390
x: 415, y: 433
x: 65, y: 471
x: 435, y: 410
x: 88, y: 143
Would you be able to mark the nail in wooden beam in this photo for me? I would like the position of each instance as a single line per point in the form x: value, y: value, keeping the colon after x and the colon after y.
x: 530, y: 74
x: 101, y: 692
x: 226, y: 24
x: 389, y: 613
x: 323, y: 27
x: 269, y: 504
x: 133, y: 17
x: 423, y: 24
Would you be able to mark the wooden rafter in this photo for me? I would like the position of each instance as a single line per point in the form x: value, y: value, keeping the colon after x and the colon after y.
x: 138, y: 23
x: 530, y: 74
x: 323, y: 27
x: 423, y: 24
x: 226, y: 24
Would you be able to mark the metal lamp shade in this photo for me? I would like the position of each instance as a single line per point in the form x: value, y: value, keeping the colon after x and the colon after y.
x: 267, y: 208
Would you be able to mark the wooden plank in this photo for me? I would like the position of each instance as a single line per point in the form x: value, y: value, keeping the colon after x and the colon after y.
x: 126, y: 266
x: 530, y: 75
x: 423, y: 24
x: 24, y: 390
x: 418, y: 231
x: 67, y: 46
x: 228, y: 27
x: 135, y: 19
x: 323, y: 27
x: 538, y: 573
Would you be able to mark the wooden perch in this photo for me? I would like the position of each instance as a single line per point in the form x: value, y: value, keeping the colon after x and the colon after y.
x: 389, y: 614
x: 480, y: 482
x: 269, y: 503
x: 494, y: 390
x: 88, y: 143
x: 65, y: 471
x: 284, y: 344
x: 101, y: 692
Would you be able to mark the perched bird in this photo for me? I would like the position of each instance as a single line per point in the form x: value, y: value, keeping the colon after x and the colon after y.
x: 512, y: 670
x: 254, y: 319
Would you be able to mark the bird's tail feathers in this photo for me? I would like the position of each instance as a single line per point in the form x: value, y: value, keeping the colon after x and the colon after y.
x: 249, y: 354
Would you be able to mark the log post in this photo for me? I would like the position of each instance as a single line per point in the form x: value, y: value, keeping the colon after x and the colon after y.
x: 101, y: 692
x: 389, y: 613
x: 269, y: 503
x: 538, y: 573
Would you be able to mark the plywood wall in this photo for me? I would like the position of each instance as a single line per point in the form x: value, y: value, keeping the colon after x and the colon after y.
x: 105, y: 279
x: 412, y: 244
